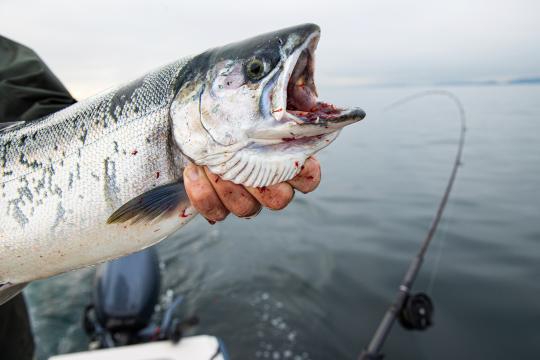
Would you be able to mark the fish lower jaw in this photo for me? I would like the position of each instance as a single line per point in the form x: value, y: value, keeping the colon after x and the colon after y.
x: 255, y: 170
x: 261, y: 165
x: 295, y: 97
x: 325, y: 115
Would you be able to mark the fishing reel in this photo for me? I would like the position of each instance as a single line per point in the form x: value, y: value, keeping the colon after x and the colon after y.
x: 417, y: 312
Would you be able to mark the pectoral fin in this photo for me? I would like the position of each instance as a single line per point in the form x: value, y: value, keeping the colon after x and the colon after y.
x: 7, y: 291
x: 151, y: 204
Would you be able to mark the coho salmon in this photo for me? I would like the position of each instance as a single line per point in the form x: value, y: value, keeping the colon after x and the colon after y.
x: 103, y: 177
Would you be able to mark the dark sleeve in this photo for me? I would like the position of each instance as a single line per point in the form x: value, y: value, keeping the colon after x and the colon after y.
x: 16, y: 340
x: 28, y: 89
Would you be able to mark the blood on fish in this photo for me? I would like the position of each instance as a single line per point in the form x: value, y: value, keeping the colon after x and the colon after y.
x: 277, y: 110
x: 296, y: 164
x: 134, y: 152
x: 157, y: 174
x: 262, y: 189
x: 287, y: 139
x: 183, y: 214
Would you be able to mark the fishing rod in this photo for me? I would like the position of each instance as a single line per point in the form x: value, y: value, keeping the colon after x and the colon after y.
x: 415, y: 311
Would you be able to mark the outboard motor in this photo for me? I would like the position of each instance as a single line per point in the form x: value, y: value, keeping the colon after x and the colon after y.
x: 126, y: 292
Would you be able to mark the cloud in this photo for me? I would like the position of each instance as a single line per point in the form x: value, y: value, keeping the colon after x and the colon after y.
x: 95, y: 44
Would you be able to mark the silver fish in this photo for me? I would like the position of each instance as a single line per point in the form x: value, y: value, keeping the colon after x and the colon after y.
x: 103, y: 178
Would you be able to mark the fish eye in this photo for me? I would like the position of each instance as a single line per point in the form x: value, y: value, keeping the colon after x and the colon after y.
x: 255, y: 69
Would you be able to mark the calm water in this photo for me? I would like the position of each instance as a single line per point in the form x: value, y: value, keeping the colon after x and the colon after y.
x: 313, y: 281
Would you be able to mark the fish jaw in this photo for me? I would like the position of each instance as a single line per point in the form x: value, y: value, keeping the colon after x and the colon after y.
x: 295, y: 125
x: 256, y: 132
x: 294, y: 105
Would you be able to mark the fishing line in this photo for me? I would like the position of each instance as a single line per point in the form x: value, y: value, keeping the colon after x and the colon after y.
x: 442, y: 242
x: 418, y: 305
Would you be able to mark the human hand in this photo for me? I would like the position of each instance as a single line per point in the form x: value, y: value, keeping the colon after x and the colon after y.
x: 215, y: 198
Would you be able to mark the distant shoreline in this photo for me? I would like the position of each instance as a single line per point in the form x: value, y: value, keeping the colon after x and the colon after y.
x: 358, y: 82
x: 517, y: 82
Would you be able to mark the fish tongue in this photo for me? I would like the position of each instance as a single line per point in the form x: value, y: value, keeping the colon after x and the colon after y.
x: 301, y: 96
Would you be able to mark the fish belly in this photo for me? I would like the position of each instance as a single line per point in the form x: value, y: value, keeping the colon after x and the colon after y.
x: 55, y: 219
x: 63, y: 176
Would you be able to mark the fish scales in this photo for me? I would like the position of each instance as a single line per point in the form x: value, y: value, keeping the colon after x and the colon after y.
x: 68, y: 171
x: 103, y: 177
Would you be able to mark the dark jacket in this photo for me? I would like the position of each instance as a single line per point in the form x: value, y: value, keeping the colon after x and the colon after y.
x: 28, y: 89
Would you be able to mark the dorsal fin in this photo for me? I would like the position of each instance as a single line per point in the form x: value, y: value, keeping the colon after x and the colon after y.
x: 10, y: 125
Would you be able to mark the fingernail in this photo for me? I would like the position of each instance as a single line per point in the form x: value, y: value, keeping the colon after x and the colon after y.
x: 258, y: 212
x: 193, y: 173
x: 249, y: 217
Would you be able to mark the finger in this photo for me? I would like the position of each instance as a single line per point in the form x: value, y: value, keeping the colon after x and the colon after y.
x: 309, y: 177
x: 202, y: 194
x: 235, y: 197
x: 274, y: 197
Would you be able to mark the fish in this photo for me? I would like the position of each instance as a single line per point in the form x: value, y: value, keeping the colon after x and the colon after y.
x: 103, y: 178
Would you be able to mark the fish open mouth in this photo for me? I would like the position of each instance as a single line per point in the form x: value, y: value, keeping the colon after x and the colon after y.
x: 301, y: 98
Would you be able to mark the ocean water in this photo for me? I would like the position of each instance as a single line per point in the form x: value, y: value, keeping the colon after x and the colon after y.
x: 313, y: 281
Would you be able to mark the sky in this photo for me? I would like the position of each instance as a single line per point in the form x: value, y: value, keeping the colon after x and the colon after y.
x: 92, y: 45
